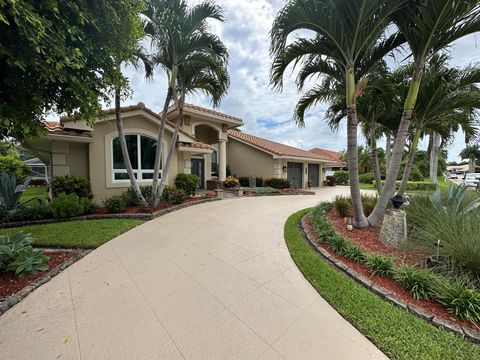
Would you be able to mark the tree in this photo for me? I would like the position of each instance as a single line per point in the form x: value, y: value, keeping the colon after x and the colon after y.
x: 180, y: 36
x: 472, y: 153
x: 428, y: 27
x: 57, y: 56
x: 347, y: 41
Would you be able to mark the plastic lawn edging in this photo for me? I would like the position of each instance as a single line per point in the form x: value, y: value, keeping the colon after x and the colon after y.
x: 397, y: 333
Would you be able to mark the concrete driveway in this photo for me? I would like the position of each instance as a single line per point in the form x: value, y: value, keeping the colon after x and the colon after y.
x: 213, y: 281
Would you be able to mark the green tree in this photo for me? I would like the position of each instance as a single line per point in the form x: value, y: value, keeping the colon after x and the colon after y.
x: 472, y: 153
x: 181, y: 38
x: 347, y: 41
x: 428, y: 27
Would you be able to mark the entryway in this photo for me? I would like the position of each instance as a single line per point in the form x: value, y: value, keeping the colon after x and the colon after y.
x: 198, y: 168
x: 314, y: 174
x: 295, y: 174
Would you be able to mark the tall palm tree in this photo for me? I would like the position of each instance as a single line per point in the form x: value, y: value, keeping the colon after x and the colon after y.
x: 472, y: 153
x: 445, y: 101
x: 428, y: 27
x: 347, y: 40
x: 180, y: 34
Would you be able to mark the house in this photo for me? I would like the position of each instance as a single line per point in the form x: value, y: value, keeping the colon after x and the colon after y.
x: 207, y: 142
x: 335, y: 156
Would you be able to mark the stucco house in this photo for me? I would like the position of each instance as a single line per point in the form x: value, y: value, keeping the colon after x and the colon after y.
x: 208, y: 141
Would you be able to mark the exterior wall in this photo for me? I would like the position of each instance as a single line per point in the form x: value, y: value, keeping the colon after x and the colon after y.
x: 245, y: 160
x: 279, y: 173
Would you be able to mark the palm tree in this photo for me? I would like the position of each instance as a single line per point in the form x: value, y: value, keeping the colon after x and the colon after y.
x: 445, y: 101
x: 347, y: 41
x: 428, y: 27
x: 180, y: 35
x: 472, y: 153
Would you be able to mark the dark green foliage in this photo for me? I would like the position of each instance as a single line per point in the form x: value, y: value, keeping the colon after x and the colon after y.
x: 34, y: 211
x: 18, y: 256
x: 174, y: 195
x: 131, y: 199
x: 10, y: 193
x: 368, y: 203
x: 342, y: 177
x: 380, y: 265
x: 355, y: 253
x: 72, y: 185
x: 342, y: 205
x: 189, y: 183
x: 460, y: 300
x: 12, y: 165
x: 367, y: 178
x: 115, y: 204
x: 258, y: 182
x: 244, y: 181
x: 415, y: 174
x: 277, y: 183
x: 3, y: 213
x: 68, y: 205
x: 421, y: 283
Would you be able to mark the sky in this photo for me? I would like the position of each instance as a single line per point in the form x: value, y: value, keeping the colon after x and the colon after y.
x: 266, y: 112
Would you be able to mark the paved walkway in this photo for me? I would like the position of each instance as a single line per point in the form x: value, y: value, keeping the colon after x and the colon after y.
x: 213, y: 281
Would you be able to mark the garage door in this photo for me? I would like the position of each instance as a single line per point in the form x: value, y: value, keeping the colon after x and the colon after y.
x: 295, y: 174
x: 314, y: 174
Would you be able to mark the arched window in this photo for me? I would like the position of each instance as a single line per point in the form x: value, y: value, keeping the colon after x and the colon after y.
x: 141, y: 150
x: 214, y: 163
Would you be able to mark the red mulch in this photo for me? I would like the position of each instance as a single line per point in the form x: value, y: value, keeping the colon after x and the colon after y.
x: 139, y: 210
x: 10, y: 284
x: 368, y: 239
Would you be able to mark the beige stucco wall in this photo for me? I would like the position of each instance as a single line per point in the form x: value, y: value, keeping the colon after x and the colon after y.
x: 245, y: 160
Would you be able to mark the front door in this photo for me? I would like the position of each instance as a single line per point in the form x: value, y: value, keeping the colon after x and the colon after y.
x: 314, y: 174
x: 295, y: 174
x: 198, y: 168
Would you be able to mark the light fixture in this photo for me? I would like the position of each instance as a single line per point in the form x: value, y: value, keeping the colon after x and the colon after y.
x: 284, y: 169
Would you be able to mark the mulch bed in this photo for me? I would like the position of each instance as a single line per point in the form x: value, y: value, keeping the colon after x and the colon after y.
x: 369, y: 241
x: 10, y: 284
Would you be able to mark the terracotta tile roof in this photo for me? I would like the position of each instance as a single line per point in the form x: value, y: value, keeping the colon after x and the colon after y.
x: 210, y: 112
x: 196, y: 145
x: 274, y: 147
x: 55, y: 127
x: 329, y: 154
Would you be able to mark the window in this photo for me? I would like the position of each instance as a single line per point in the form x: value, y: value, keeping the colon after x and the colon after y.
x: 141, y: 150
x: 214, y: 163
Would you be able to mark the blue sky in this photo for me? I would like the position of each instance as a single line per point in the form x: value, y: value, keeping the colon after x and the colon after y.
x: 268, y: 113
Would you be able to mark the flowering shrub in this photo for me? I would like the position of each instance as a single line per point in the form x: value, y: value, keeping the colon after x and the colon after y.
x: 231, y: 182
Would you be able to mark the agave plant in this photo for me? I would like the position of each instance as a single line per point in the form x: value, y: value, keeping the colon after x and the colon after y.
x: 10, y: 193
x: 455, y: 201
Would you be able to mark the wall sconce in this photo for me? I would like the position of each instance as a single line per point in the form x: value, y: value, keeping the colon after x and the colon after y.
x: 306, y: 170
x: 284, y: 169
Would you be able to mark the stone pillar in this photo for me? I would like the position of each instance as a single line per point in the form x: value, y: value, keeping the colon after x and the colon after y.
x: 394, y: 228
x: 222, y: 159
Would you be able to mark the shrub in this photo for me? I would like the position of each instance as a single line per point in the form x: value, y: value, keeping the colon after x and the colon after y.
x: 67, y: 205
x: 338, y: 244
x: 367, y: 178
x: 421, y: 283
x: 244, y: 181
x: 188, y: 183
x: 3, y: 213
x: 342, y: 206
x: 178, y: 196
x: 115, y: 204
x: 342, y: 177
x: 277, y: 183
x: 35, y: 211
x: 72, y: 185
x: 460, y: 300
x: 355, y: 253
x: 258, y: 182
x: 369, y: 202
x: 131, y: 199
x: 230, y: 182
x: 17, y: 255
x: 415, y: 174
x: 380, y: 265
x: 12, y: 165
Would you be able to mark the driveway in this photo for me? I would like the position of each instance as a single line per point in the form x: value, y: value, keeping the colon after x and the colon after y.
x: 213, y: 281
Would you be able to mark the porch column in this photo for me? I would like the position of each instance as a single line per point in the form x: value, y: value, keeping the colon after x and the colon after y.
x: 222, y: 159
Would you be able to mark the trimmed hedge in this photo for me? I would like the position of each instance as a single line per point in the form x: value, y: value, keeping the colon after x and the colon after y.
x: 189, y: 183
x: 77, y: 185
x: 277, y: 183
x: 417, y: 185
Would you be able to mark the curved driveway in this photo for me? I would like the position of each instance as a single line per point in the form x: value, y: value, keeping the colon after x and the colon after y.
x: 213, y: 281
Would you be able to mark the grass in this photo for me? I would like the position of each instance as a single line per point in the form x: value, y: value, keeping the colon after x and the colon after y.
x: 399, y: 334
x: 34, y: 191
x: 86, y: 234
x: 442, y: 183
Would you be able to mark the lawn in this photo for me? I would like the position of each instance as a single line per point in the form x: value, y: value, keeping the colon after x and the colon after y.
x: 442, y: 183
x: 87, y: 234
x: 399, y: 334
x: 34, y: 191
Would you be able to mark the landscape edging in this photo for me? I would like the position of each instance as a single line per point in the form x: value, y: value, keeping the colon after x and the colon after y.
x: 144, y: 216
x: 14, y: 299
x: 386, y: 294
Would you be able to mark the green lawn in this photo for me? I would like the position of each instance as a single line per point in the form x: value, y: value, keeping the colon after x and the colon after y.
x: 399, y: 334
x: 442, y: 183
x: 86, y: 234
x: 34, y: 191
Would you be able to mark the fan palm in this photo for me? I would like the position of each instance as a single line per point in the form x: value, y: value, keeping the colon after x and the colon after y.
x: 428, y: 27
x: 180, y: 35
x: 347, y: 41
x: 472, y: 153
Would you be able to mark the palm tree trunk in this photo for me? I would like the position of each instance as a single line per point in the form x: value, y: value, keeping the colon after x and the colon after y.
x: 388, y: 150
x: 471, y: 165
x: 158, y: 154
x: 126, y: 157
x: 171, y: 149
x: 436, y: 140
x: 408, y: 167
x: 397, y: 153
x: 376, y: 163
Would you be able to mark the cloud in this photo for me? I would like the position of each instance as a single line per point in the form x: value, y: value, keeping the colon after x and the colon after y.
x: 268, y: 113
